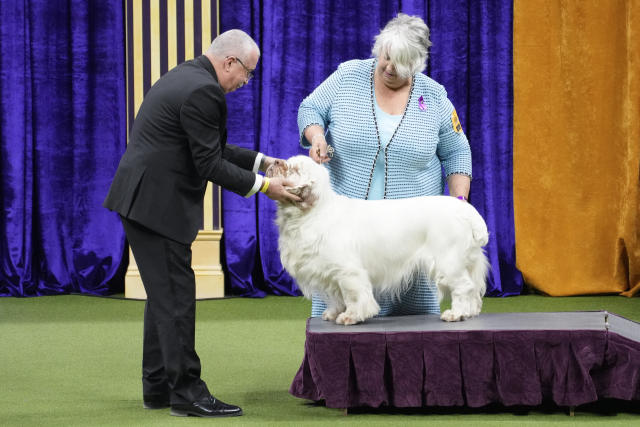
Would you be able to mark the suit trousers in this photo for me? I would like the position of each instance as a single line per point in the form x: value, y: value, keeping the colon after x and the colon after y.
x: 170, y: 365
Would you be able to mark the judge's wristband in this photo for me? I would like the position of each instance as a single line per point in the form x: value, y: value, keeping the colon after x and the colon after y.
x: 464, y: 199
x: 265, y: 184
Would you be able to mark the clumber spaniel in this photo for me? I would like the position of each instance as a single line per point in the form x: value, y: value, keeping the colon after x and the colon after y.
x: 349, y: 250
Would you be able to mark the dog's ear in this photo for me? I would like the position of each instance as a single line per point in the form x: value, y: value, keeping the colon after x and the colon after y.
x: 304, y: 190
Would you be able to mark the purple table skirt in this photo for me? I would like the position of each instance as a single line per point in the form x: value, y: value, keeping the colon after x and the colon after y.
x: 508, y: 358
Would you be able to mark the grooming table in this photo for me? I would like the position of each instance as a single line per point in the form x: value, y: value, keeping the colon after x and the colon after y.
x: 569, y: 358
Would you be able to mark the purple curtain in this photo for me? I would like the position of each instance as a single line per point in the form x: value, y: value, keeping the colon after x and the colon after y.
x: 62, y: 129
x: 302, y: 43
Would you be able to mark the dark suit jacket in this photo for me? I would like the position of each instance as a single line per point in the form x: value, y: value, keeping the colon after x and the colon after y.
x: 177, y: 143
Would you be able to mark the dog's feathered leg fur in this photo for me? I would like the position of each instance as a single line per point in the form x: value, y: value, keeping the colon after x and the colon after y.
x: 357, y: 296
x: 463, y: 299
x: 335, y: 305
x: 467, y: 290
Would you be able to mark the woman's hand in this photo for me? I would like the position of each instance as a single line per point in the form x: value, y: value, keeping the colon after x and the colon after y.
x: 318, y: 151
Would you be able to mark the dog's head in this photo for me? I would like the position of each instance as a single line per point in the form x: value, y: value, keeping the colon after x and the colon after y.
x: 309, y: 180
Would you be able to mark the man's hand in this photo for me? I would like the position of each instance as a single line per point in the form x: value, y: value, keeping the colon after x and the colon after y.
x: 266, y: 162
x: 276, y: 190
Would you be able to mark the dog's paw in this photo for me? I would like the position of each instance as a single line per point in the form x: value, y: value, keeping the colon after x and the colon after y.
x: 330, y: 314
x: 451, y: 316
x: 371, y: 310
x: 346, y: 319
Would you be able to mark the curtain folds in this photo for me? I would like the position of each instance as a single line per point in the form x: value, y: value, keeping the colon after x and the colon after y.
x: 63, y: 132
x: 569, y: 180
x: 577, y: 146
x: 301, y: 44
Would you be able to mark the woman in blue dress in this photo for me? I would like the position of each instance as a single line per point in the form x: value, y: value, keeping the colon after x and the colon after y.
x: 384, y: 130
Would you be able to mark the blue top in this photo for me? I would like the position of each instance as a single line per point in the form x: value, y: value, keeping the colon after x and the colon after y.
x: 425, y: 142
x: 387, y: 124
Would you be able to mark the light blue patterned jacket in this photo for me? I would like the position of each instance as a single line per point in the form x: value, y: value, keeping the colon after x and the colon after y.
x: 425, y: 142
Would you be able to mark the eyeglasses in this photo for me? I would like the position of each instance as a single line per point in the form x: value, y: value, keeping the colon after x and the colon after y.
x: 248, y: 71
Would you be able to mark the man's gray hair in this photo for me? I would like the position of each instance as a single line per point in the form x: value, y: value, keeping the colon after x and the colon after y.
x: 233, y: 43
x: 406, y: 40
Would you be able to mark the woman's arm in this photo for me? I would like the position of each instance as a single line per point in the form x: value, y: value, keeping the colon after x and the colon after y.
x: 314, y: 111
x: 459, y: 185
x: 453, y: 149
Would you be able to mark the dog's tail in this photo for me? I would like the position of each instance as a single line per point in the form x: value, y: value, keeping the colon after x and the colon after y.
x: 479, y: 229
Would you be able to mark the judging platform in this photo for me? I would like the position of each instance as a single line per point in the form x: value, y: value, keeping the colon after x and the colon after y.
x: 570, y: 358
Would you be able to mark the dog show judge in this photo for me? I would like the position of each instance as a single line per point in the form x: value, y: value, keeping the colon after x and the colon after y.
x: 391, y: 130
x: 177, y: 144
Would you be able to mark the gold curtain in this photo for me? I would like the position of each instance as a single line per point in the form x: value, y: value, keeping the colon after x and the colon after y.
x: 577, y: 145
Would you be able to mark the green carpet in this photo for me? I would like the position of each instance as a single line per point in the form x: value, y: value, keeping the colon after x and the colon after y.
x: 75, y: 361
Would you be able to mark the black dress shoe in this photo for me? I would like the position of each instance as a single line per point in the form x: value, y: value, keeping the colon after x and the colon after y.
x: 155, y: 402
x: 208, y: 407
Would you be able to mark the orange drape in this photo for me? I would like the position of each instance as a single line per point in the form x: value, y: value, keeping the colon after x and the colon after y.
x: 577, y: 145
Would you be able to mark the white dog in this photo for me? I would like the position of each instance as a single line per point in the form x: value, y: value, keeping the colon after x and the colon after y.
x: 350, y: 250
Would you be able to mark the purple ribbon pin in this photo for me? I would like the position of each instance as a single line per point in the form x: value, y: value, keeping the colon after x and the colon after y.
x: 421, y: 103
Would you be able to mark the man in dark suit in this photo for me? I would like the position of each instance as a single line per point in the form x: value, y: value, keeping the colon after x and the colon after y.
x: 177, y: 144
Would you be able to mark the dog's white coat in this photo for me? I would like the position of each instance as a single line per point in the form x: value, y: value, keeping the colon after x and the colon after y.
x: 350, y: 250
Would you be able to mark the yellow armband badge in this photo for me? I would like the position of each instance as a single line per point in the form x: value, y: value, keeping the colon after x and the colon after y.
x: 455, y: 121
